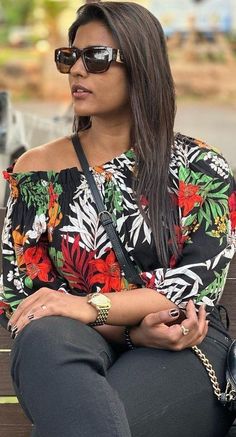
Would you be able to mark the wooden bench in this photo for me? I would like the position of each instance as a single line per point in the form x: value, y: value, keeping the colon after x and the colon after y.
x: 13, y: 422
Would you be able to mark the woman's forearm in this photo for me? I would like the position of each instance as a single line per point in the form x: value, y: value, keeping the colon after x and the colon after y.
x: 114, y: 334
x: 129, y: 307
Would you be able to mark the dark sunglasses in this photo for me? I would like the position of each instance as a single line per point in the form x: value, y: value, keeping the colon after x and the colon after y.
x: 96, y: 59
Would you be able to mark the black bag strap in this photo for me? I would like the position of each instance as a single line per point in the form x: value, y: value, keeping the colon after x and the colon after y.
x: 105, y: 217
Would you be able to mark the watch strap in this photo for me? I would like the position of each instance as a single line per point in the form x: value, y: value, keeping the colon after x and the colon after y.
x: 101, y: 317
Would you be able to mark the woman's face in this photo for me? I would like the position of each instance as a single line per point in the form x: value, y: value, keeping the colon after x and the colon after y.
x: 108, y: 91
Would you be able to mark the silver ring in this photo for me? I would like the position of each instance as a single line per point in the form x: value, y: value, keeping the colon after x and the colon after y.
x: 184, y: 330
x: 43, y: 307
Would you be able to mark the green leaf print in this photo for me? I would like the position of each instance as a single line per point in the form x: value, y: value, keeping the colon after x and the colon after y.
x: 189, y: 220
x: 217, y: 196
x: 215, y: 203
x: 130, y: 154
x: 7, y: 293
x: 15, y: 304
x: 9, y: 296
x: 10, y: 258
x: 28, y: 282
x: 56, y: 256
x: 201, y: 215
x: 36, y: 195
x: 214, y: 287
x: 113, y: 197
x: 57, y: 189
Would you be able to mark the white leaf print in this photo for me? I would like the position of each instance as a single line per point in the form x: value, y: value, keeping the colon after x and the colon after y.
x: 6, y: 233
x: 86, y: 223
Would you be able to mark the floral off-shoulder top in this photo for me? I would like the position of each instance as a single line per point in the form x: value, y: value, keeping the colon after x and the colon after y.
x: 53, y: 238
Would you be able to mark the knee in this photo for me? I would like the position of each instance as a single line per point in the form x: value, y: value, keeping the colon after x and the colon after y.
x: 44, y: 337
x: 53, y: 341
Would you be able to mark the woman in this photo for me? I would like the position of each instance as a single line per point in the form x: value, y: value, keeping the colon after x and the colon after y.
x: 170, y: 198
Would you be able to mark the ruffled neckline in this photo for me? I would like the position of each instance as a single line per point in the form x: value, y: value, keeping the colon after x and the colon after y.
x: 127, y: 157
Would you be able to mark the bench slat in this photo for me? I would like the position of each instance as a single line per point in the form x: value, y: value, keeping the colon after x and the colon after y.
x: 6, y: 388
x: 6, y: 341
x: 229, y: 301
x: 13, y: 422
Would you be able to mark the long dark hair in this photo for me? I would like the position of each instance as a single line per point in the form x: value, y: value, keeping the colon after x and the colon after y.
x: 152, y: 100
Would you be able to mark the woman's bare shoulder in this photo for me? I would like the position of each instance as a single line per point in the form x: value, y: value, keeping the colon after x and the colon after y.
x: 49, y: 156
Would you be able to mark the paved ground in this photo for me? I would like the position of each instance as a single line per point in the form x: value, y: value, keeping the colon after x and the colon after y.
x: 214, y: 124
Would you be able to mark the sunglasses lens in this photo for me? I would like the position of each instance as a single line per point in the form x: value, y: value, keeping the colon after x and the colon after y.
x: 96, y: 60
x: 65, y: 58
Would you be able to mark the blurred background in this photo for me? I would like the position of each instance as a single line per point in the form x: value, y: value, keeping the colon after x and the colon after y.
x: 35, y: 99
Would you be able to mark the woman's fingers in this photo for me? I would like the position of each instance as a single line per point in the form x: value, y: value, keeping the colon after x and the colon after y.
x: 25, y: 318
x: 25, y: 306
x: 166, y: 316
x: 194, y: 323
x: 40, y: 306
x: 190, y: 332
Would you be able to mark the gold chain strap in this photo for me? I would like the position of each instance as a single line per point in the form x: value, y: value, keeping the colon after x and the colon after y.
x: 230, y: 392
x: 212, y: 375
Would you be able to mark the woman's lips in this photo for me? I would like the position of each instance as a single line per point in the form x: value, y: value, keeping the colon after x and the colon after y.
x: 80, y: 92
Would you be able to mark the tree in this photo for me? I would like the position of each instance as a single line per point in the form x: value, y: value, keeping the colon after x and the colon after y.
x: 17, y: 13
x: 53, y: 10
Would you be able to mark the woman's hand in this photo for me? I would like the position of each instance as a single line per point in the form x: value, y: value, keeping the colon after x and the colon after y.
x: 47, y: 302
x: 155, y: 329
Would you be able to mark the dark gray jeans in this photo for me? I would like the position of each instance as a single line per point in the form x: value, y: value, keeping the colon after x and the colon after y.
x: 72, y: 383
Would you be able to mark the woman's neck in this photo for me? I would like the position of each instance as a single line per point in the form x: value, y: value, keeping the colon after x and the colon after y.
x: 106, y: 139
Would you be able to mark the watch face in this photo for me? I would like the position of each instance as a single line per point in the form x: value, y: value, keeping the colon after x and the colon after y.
x: 100, y: 300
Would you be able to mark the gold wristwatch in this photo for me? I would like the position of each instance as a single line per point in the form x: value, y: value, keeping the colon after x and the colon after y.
x: 102, y: 304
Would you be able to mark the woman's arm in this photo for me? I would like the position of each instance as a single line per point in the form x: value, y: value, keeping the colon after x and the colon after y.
x: 162, y: 330
x: 127, y: 307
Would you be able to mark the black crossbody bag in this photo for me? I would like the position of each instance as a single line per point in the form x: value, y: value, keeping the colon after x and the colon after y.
x: 227, y: 398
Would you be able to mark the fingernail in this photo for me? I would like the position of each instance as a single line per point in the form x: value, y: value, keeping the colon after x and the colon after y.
x: 30, y: 316
x: 174, y: 312
x: 13, y: 334
x: 9, y: 327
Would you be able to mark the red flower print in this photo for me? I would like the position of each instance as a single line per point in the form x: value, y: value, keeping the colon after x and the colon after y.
x: 54, y: 219
x: 4, y: 306
x: 37, y: 263
x: 6, y: 175
x: 76, y: 266
x: 19, y: 241
x: 99, y: 169
x: 143, y: 201
x: 12, y: 182
x: 108, y: 272
x: 201, y: 144
x: 52, y: 196
x: 149, y: 279
x: 180, y: 239
x: 232, y: 209
x: 188, y: 197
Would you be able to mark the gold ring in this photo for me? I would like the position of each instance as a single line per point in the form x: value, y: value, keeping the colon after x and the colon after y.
x: 43, y: 307
x: 184, y: 330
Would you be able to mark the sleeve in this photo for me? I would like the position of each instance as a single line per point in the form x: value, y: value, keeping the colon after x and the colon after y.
x: 206, y: 200
x: 26, y: 264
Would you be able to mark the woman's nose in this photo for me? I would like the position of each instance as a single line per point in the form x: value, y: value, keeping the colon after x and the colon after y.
x: 78, y: 68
